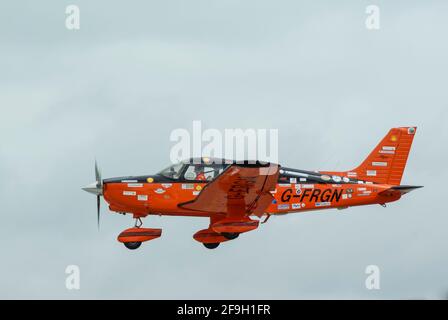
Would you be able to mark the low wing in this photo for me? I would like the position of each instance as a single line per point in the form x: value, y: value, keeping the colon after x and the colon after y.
x: 241, y: 190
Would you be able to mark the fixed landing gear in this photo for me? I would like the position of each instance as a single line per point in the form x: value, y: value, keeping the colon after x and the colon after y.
x: 134, y: 245
x: 133, y: 238
x: 230, y: 236
x: 211, y: 246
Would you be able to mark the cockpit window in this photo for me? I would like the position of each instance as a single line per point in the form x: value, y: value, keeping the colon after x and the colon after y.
x: 172, y: 172
x: 203, y: 172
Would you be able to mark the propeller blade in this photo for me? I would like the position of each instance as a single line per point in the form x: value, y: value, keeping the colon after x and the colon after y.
x: 99, y: 181
x: 98, y: 205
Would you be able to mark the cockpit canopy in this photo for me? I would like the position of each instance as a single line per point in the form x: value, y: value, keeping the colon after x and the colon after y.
x: 195, y: 169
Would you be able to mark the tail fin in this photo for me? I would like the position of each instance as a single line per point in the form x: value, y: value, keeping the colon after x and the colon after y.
x: 386, y: 163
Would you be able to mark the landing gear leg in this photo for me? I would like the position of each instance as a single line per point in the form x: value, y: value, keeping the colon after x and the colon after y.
x: 138, y: 222
x: 135, y: 244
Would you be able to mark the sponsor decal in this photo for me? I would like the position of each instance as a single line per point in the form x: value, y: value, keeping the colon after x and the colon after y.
x: 283, y: 207
x: 135, y: 185
x: 323, y: 204
x: 393, y: 138
x: 379, y: 164
x: 387, y: 152
x: 287, y: 185
x: 307, y: 186
x: 336, y: 186
x: 352, y: 174
x: 296, y: 206
x: 344, y: 196
x: 159, y: 191
x: 150, y: 180
x: 142, y: 197
x: 349, y: 190
x: 298, y: 190
x: 386, y: 148
x: 129, y: 181
x: 187, y: 186
x: 302, y: 179
x: 198, y: 188
x: 195, y: 193
x: 129, y: 193
x: 313, y: 195
x: 337, y: 179
x: 371, y: 173
x: 167, y: 185
x: 274, y: 192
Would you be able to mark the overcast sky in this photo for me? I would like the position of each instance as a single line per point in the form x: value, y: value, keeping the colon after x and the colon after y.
x: 115, y: 90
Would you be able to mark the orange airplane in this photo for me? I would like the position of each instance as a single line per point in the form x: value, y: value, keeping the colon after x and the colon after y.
x: 233, y: 194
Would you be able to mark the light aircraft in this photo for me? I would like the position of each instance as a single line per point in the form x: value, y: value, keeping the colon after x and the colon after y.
x: 236, y: 195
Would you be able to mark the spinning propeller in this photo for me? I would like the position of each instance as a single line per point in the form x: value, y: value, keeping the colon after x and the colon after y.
x: 97, y: 189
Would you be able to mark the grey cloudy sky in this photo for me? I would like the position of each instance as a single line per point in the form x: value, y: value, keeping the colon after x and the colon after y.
x: 116, y: 89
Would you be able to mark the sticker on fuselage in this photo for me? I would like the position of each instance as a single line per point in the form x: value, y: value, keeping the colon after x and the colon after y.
x: 371, y: 173
x: 307, y: 186
x: 187, y: 186
x: 142, y: 197
x: 135, y: 185
x: 323, y: 204
x: 297, y: 206
x: 129, y: 193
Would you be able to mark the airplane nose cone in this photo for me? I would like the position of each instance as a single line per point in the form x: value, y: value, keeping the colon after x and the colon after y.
x: 93, y: 188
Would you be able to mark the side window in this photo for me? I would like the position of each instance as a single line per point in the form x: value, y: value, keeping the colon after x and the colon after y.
x: 209, y: 173
x: 190, y: 173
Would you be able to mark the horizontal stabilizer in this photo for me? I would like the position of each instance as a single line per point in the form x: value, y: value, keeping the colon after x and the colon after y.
x: 400, y: 189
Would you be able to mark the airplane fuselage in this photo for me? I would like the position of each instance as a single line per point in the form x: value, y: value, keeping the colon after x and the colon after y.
x: 156, y: 195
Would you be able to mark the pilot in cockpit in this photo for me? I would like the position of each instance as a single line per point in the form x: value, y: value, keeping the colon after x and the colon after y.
x: 200, y: 173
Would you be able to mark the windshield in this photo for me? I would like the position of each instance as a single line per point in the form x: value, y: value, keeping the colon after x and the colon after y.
x: 172, y: 172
